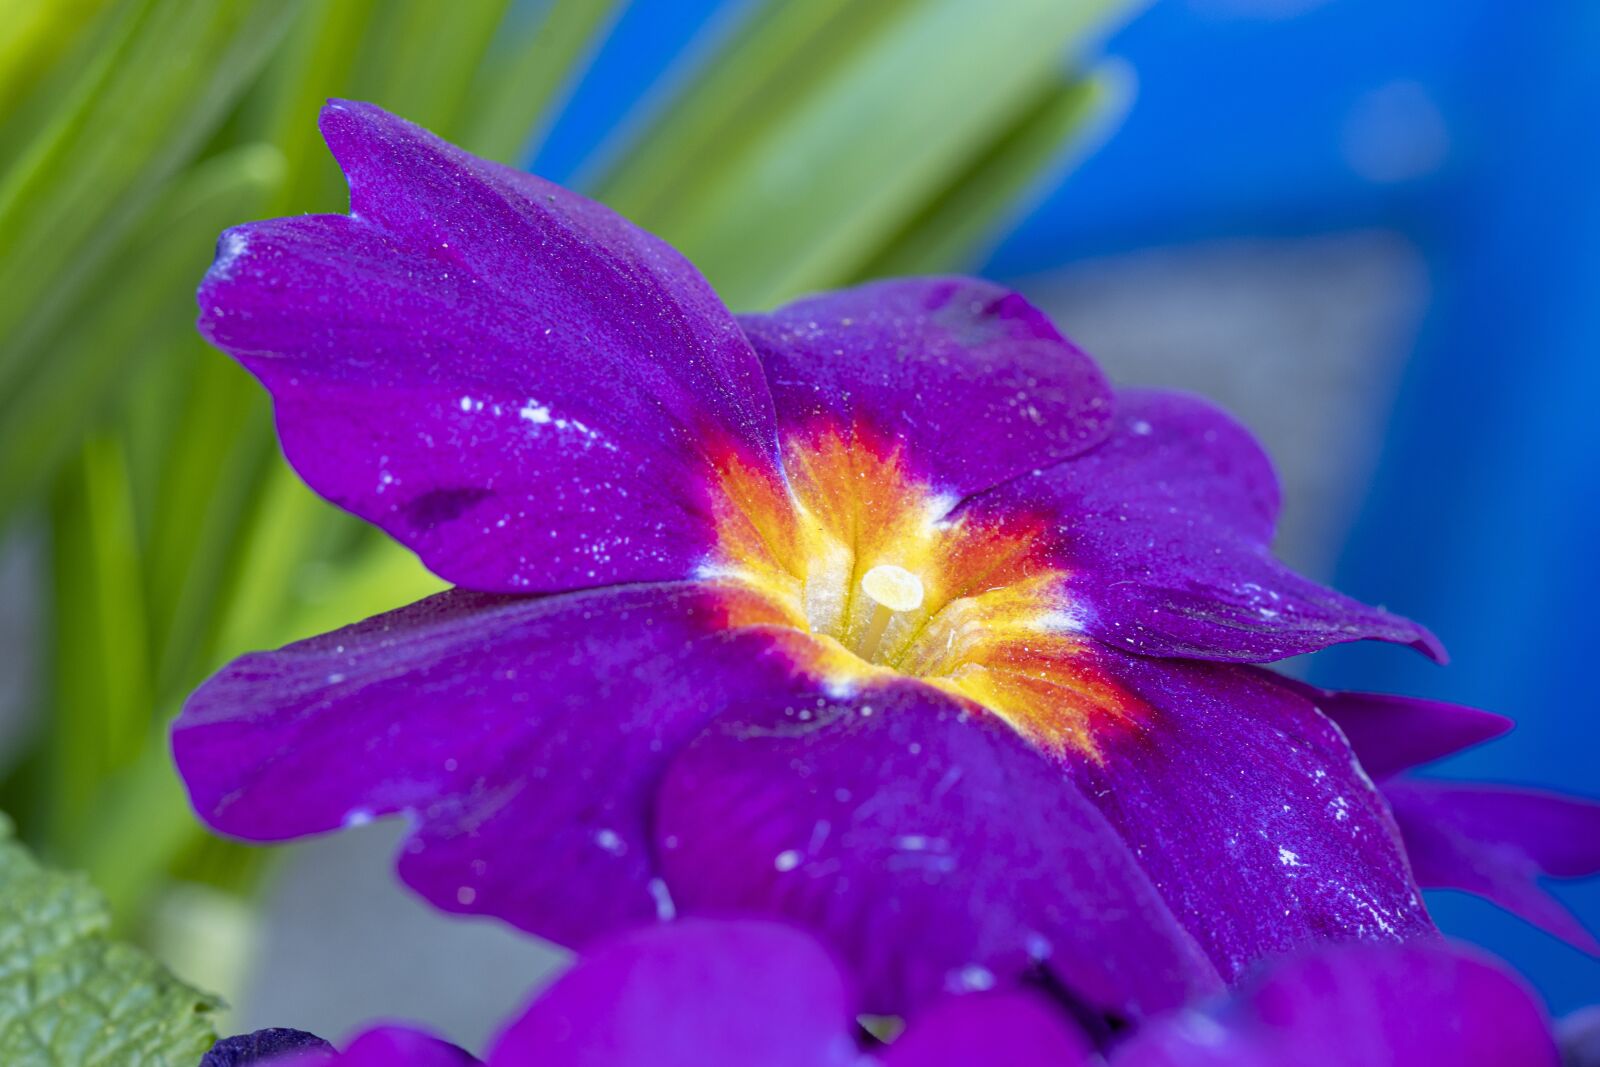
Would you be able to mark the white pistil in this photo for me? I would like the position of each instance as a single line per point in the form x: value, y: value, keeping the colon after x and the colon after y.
x: 892, y: 590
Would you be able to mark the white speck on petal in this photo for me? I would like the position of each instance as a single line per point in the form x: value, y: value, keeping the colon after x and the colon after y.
x: 972, y: 979
x: 665, y: 908
x: 233, y: 246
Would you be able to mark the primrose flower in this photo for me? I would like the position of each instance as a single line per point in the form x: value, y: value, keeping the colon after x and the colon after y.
x: 382, y: 1046
x: 264, y: 1046
x: 882, y: 612
x: 1492, y: 841
x: 704, y: 993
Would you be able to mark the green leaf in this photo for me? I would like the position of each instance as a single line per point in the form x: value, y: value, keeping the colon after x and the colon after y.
x: 69, y: 996
x: 101, y: 677
x: 776, y: 59
x: 419, y: 64
x: 514, y: 88
x: 953, y: 231
x: 134, y: 118
x: 801, y: 191
x: 59, y: 398
x: 36, y: 34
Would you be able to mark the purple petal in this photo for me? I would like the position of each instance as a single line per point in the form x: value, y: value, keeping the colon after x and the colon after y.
x: 268, y: 1046
x: 926, y: 842
x: 1249, y: 811
x: 524, y: 735
x: 1361, y: 1006
x: 513, y: 381
x: 1164, y: 530
x: 971, y: 380
x: 1391, y: 734
x: 691, y: 994
x: 1579, y: 1035
x: 390, y: 1046
x: 1011, y: 1029
x: 1496, y: 842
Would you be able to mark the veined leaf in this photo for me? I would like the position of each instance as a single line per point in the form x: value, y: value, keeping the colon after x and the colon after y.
x: 69, y: 996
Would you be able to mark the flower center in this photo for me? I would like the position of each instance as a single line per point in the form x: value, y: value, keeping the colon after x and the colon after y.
x: 855, y: 550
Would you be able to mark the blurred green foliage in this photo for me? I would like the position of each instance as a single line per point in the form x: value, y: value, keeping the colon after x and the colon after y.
x: 823, y: 142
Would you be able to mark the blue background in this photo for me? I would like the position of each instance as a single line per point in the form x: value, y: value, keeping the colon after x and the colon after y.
x: 1470, y: 127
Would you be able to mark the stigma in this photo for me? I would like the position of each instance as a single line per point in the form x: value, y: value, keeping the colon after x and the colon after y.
x: 892, y: 587
x: 892, y: 590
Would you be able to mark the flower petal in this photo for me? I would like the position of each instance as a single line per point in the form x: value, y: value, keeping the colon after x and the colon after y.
x: 387, y: 1046
x: 1496, y: 842
x: 1361, y: 1006
x: 1165, y: 529
x: 1013, y: 1029
x: 924, y: 841
x: 272, y: 1045
x: 1579, y: 1036
x: 513, y: 381
x: 969, y: 378
x: 691, y: 994
x: 1250, y: 812
x: 1391, y: 733
x: 525, y: 735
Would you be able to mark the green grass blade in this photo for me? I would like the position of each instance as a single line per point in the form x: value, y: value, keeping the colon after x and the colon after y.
x: 808, y: 194
x: 420, y: 64
x: 316, y: 62
x: 142, y: 311
x: 774, y: 61
x: 100, y: 678
x: 516, y: 86
x: 134, y: 120
x: 953, y: 231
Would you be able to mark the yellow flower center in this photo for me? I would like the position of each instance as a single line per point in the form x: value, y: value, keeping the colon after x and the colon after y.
x: 858, y: 553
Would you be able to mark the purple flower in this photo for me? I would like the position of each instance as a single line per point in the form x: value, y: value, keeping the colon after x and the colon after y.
x: 1364, y: 1005
x: 383, y: 1046
x: 1493, y: 841
x: 703, y: 993
x: 263, y: 1046
x: 881, y: 612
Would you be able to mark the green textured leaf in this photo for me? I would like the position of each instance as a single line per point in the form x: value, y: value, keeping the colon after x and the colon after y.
x: 69, y: 996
